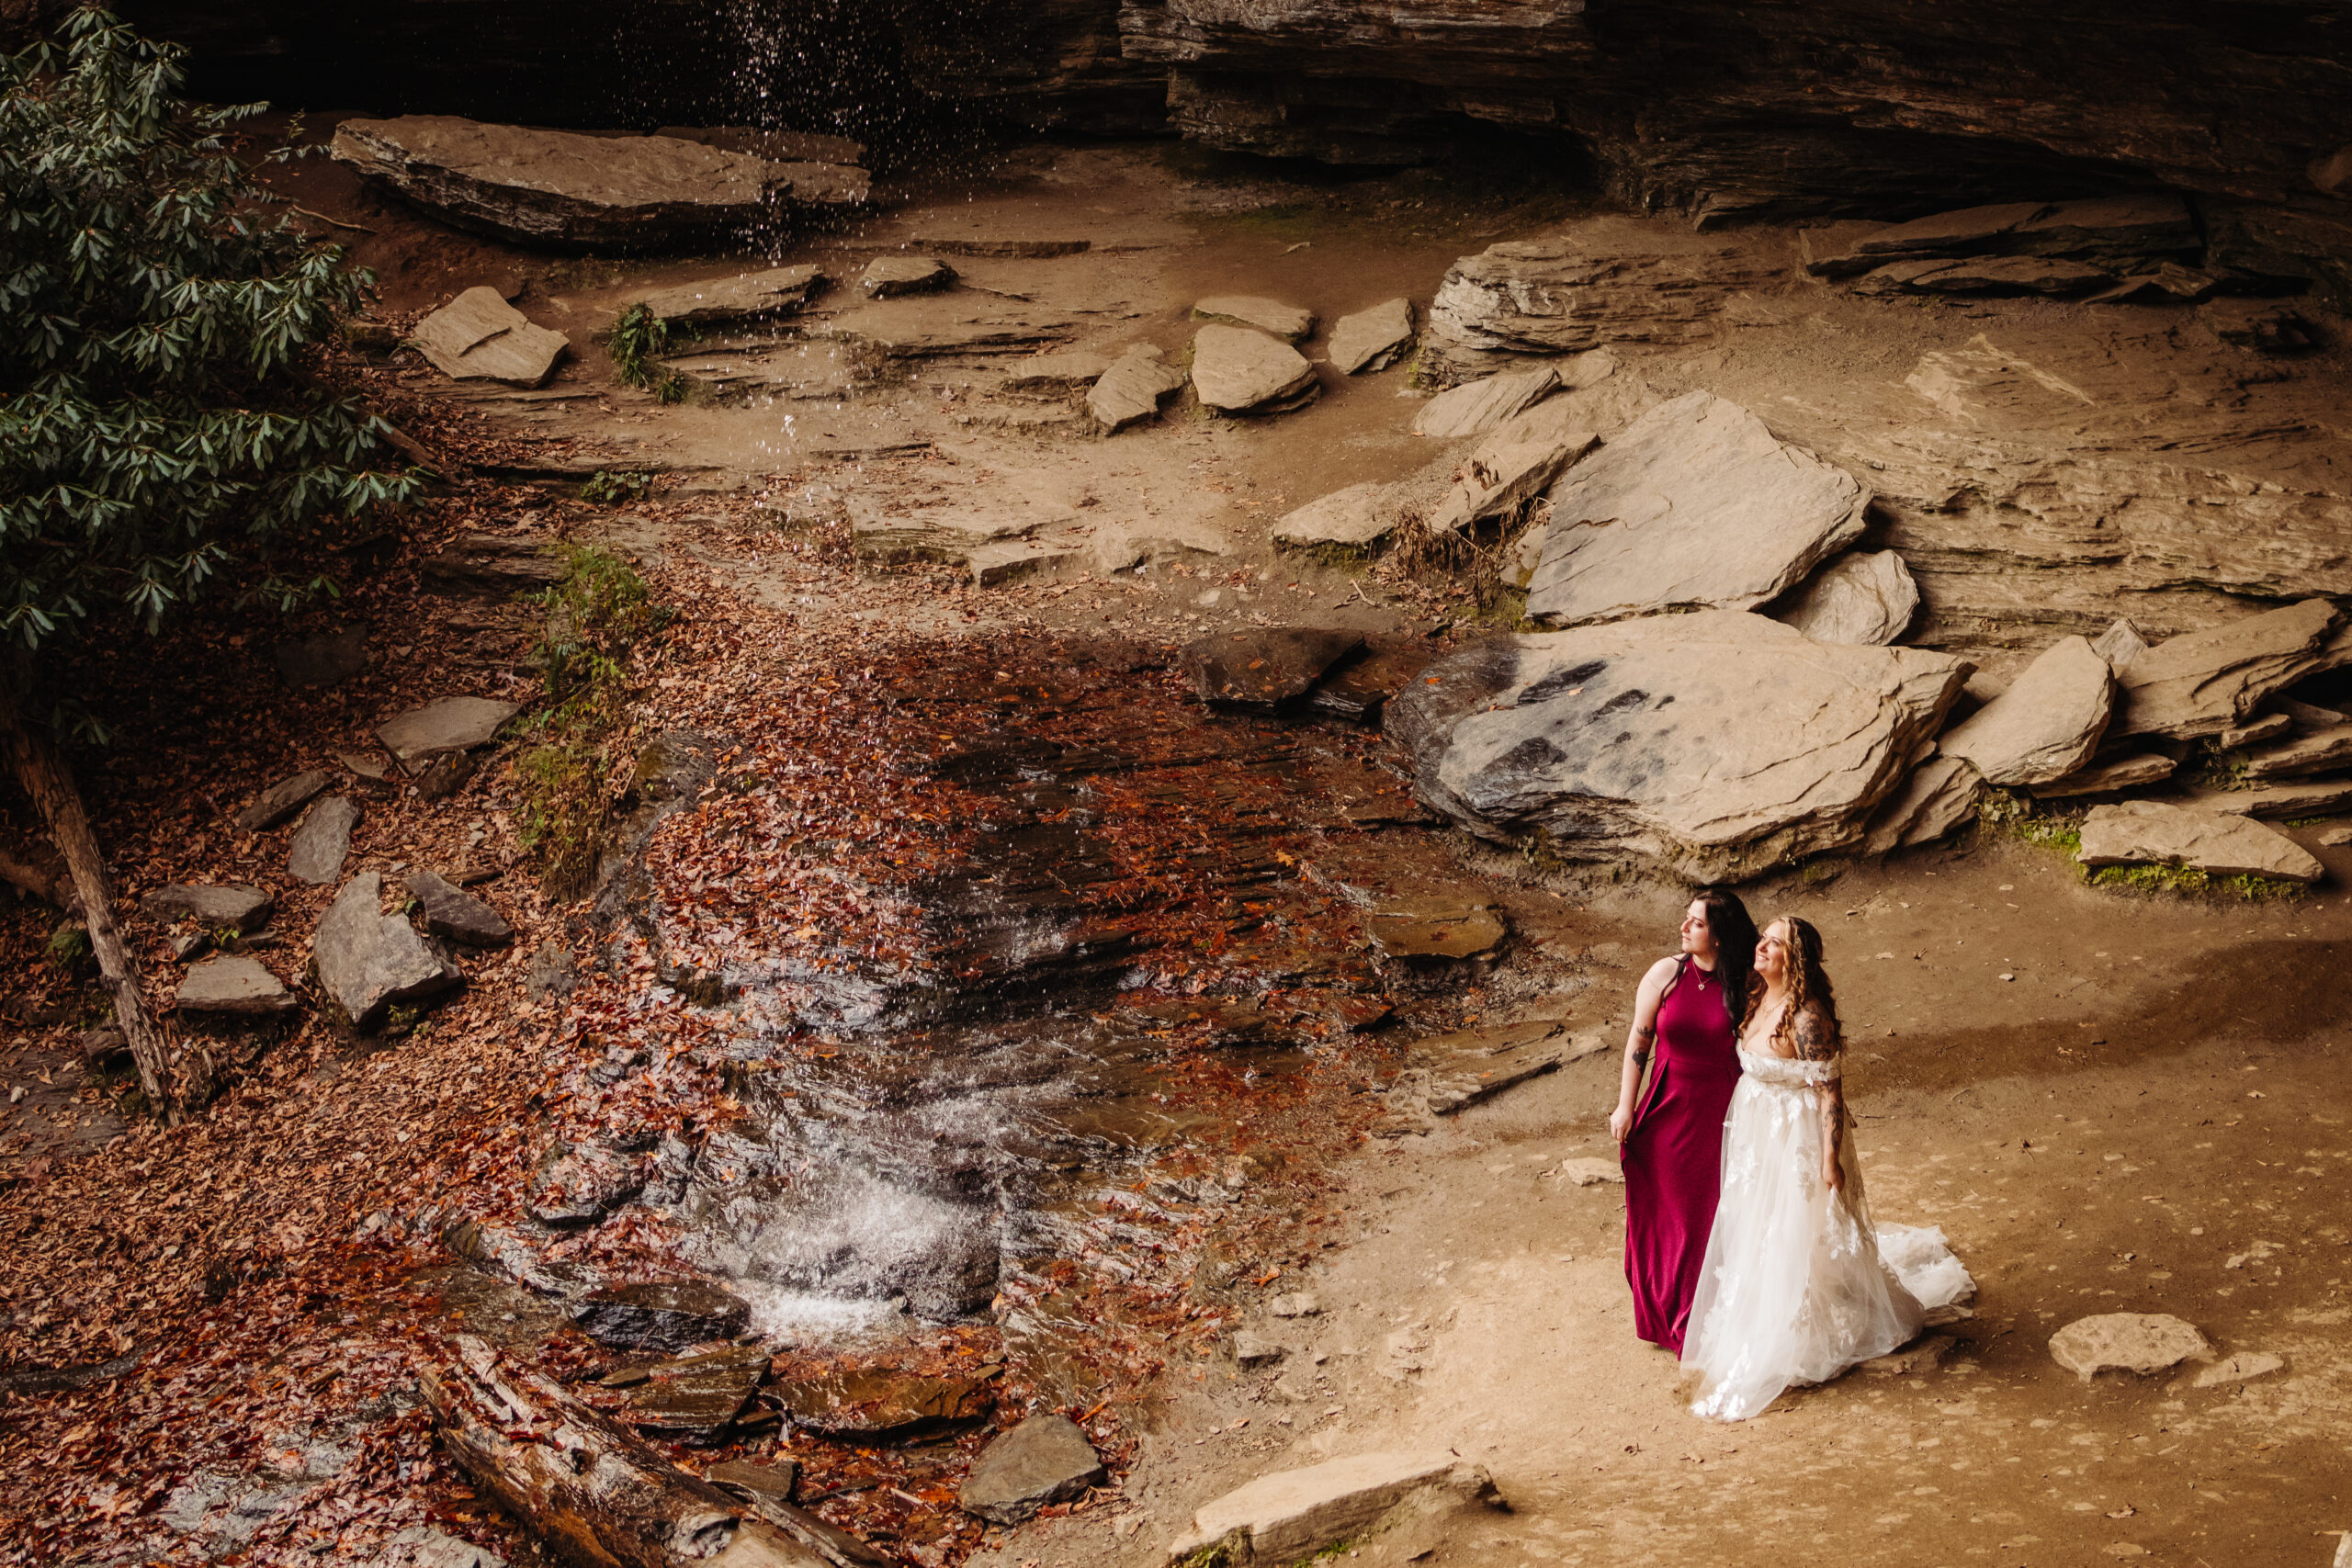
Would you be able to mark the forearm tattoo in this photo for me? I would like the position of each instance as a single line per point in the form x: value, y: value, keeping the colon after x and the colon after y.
x: 1645, y: 1038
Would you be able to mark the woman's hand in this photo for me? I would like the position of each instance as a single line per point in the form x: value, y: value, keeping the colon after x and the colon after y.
x: 1621, y: 1122
x: 1833, y: 1174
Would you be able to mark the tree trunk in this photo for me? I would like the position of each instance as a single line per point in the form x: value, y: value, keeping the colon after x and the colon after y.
x: 46, y: 779
x: 591, y: 1489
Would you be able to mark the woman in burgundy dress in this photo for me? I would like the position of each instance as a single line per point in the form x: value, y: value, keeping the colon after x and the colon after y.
x: 1672, y: 1144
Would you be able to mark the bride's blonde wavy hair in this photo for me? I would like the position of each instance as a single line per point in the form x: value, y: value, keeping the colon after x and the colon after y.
x: 1808, y: 982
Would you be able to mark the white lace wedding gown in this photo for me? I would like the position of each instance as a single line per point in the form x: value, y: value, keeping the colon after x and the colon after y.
x: 1798, y: 1285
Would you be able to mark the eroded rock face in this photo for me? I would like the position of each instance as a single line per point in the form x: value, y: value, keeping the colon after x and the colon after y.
x: 1695, y: 506
x: 1719, y: 743
x: 1556, y: 297
x: 2204, y: 682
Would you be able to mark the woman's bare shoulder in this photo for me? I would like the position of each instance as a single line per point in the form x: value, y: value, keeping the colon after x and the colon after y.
x: 1662, y: 971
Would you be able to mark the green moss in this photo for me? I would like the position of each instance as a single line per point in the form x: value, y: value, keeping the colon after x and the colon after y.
x: 2021, y: 818
x: 2182, y: 879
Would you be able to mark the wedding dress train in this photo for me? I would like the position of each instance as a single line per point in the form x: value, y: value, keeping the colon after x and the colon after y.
x: 1798, y: 1285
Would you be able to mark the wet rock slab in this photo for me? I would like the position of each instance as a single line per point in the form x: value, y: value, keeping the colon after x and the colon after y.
x: 696, y: 1396
x: 1720, y: 743
x: 1435, y: 926
x: 877, y: 1401
x: 660, y: 1315
x: 478, y: 336
x: 1695, y: 506
x: 233, y: 986
x: 2150, y: 833
x: 1043, y: 1459
x: 368, y: 961
x: 1263, y: 669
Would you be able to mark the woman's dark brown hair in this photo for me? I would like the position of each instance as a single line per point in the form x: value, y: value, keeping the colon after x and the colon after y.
x: 1734, y: 930
x: 1809, y: 993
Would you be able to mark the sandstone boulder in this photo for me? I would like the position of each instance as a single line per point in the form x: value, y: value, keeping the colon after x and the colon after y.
x: 2150, y: 833
x: 1516, y: 463
x: 2120, y: 644
x: 557, y: 187
x: 1695, y: 506
x: 1271, y: 316
x: 776, y: 292
x: 2254, y: 732
x: 2106, y: 778
x: 478, y: 336
x: 887, y: 276
x: 1263, y: 668
x: 1939, y: 796
x: 1294, y: 1513
x: 1118, y: 546
x: 1043, y: 1459
x: 1866, y: 597
x: 368, y: 961
x: 2203, y: 682
x: 1372, y: 340
x: 1240, y: 370
x: 1347, y: 522
x: 1131, y: 389
x: 1476, y: 407
x: 231, y: 985
x: 2140, y: 1342
x: 1720, y: 743
x: 1557, y: 297
x: 2046, y: 725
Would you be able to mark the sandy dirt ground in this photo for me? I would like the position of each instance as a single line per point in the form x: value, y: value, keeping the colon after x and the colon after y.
x: 2109, y: 1101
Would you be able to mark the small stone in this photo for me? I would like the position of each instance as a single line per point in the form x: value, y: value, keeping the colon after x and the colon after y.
x: 457, y: 915
x: 1436, y: 927
x: 1045, y: 1459
x: 1476, y: 407
x: 2336, y: 838
x: 2046, y: 725
x: 696, y: 1397
x: 2244, y: 1366
x: 889, y: 277
x: 666, y: 1316
x: 225, y: 985
x: 478, y: 336
x: 552, y: 972
x: 190, y: 946
x: 771, y: 1479
x: 879, y: 1402
x: 451, y: 724
x: 367, y: 767
x: 322, y: 840
x: 235, y: 908
x: 1118, y: 546
x: 1265, y: 669
x: 1589, y: 1172
x: 368, y: 961
x: 282, y: 800
x: 1240, y: 370
x: 1252, y: 1351
x: 1295, y: 1304
x: 1271, y: 316
x: 2120, y: 644
x: 2148, y: 833
x: 1290, y: 1517
x: 327, y: 659
x: 1864, y: 597
x: 1131, y: 389
x: 1346, y: 524
x: 444, y: 775
x: 2127, y: 1341
x: 1372, y: 340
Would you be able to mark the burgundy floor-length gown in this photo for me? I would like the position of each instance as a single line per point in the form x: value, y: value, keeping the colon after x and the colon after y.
x: 1673, y: 1157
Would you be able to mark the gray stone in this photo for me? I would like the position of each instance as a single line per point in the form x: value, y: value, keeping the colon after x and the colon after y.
x: 368, y: 961
x: 542, y: 187
x: 1518, y: 461
x: 1132, y: 387
x: 1251, y: 1350
x: 327, y: 659
x: 1240, y: 370
x: 452, y: 912
x: 2148, y: 833
x: 444, y: 775
x: 189, y: 946
x: 2106, y: 778
x: 104, y: 1049
x: 886, y: 277
x: 1938, y: 797
x: 666, y: 1316
x: 2140, y: 1342
x: 2320, y: 752
x: 421, y: 1546
x: 237, y: 908
x: 315, y: 853
x: 1056, y: 375
x: 226, y: 984
x: 1347, y: 522
x: 1695, y: 506
x: 552, y: 972
x: 478, y: 336
x: 2276, y: 803
x: 1271, y: 316
x: 2254, y: 732
x: 1265, y: 669
x: 2247, y: 1366
x: 1372, y: 340
x: 1719, y: 743
x: 1290, y: 1516
x: 282, y: 800
x: 2203, y: 682
x: 1295, y: 1304
x: 1117, y: 547
x: 774, y: 291
x: 1864, y: 597
x: 450, y: 724
x: 1476, y: 407
x: 2046, y: 726
x: 1043, y: 1459
x: 2121, y: 644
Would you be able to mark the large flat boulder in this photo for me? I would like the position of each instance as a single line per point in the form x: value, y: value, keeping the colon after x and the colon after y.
x: 368, y: 961
x: 1476, y: 407
x: 773, y: 291
x: 1045, y: 1459
x: 1719, y: 743
x: 446, y: 724
x: 1518, y: 461
x: 1343, y: 524
x: 1294, y: 1514
x: 557, y: 187
x: 1864, y: 596
x: 1132, y: 387
x: 2046, y: 725
x: 478, y: 336
x: 1695, y: 506
x: 1939, y: 796
x: 2200, y: 684
x: 234, y: 986
x: 2150, y: 833
x: 1558, y: 297
x: 1271, y: 316
x: 2143, y: 1342
x: 1372, y: 340
x: 1242, y: 370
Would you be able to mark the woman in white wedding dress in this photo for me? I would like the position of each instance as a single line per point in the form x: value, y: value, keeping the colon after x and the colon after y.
x: 1797, y: 1284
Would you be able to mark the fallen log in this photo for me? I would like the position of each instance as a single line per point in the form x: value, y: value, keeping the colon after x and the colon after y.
x: 598, y: 1495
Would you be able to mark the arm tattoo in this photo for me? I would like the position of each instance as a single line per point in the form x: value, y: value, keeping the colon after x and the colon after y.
x: 1816, y: 1037
x: 1645, y: 1037
x: 1816, y: 1041
x: 1832, y: 1096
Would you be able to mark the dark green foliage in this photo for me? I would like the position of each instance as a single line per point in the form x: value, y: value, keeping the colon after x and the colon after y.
x: 638, y: 339
x: 156, y: 428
